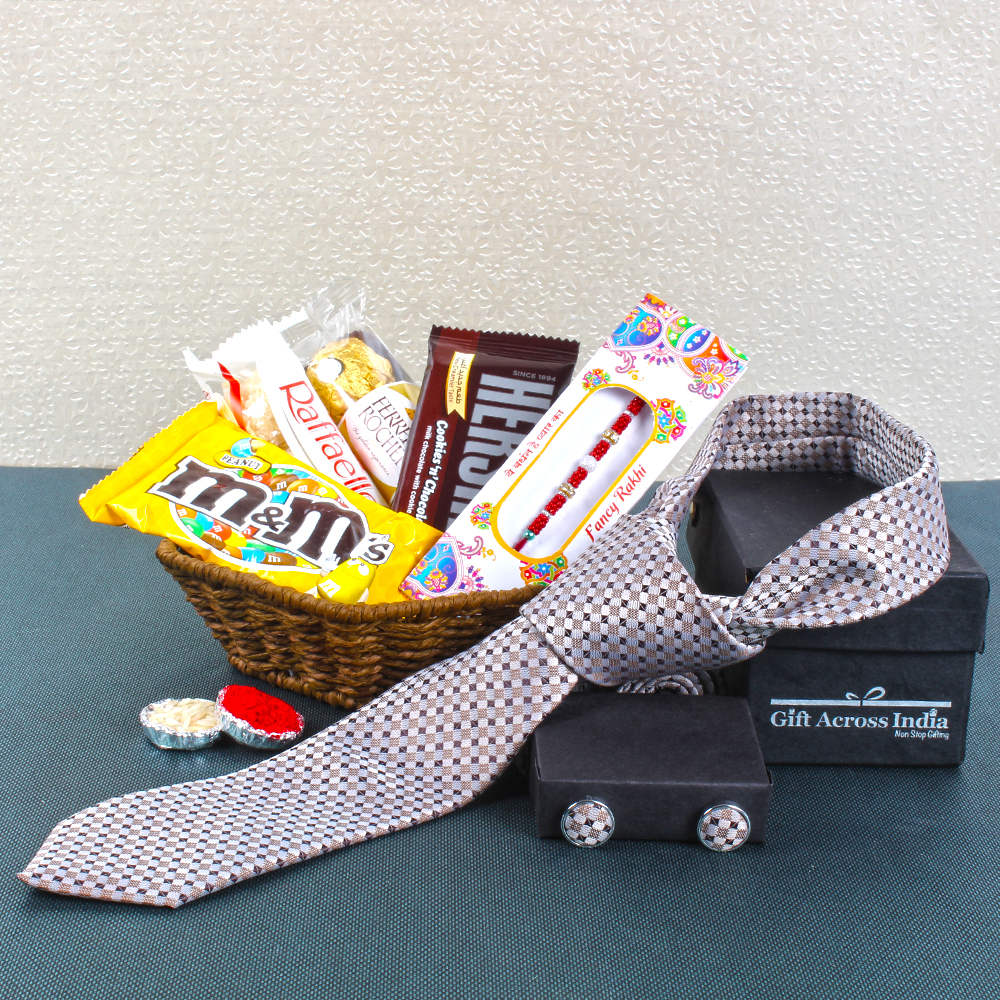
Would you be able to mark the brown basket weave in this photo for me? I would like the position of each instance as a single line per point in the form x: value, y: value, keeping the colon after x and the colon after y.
x: 343, y: 654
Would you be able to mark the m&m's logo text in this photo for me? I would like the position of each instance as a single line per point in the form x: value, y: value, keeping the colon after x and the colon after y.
x: 325, y: 531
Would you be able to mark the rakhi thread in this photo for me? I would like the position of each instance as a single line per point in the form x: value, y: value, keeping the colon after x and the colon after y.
x: 587, y: 465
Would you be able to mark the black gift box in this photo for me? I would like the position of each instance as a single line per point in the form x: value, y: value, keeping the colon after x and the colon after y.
x: 890, y: 690
x: 657, y: 760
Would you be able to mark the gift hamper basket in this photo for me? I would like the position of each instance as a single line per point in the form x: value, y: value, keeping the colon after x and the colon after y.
x: 343, y: 654
x: 317, y: 484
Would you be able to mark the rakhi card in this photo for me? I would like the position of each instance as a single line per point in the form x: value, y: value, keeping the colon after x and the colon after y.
x: 589, y: 459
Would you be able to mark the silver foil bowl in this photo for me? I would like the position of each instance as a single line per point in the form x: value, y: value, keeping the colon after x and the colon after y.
x: 246, y: 734
x: 174, y: 739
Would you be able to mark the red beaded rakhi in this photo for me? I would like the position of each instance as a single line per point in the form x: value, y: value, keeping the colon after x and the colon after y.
x: 580, y: 473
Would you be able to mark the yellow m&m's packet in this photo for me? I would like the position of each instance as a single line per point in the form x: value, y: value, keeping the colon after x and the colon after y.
x: 243, y: 503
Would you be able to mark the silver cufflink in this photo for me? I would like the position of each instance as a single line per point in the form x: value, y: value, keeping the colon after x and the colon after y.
x: 587, y: 823
x: 723, y: 827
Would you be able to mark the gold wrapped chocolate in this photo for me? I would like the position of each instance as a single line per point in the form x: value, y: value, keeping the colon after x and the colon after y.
x: 344, y: 371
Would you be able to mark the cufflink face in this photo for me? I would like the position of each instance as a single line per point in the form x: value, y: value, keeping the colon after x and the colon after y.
x: 723, y: 827
x: 587, y: 823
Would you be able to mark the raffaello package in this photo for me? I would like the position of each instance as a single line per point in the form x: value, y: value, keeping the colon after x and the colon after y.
x: 322, y: 386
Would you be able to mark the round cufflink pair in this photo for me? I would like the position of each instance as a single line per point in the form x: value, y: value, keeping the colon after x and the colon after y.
x: 590, y: 822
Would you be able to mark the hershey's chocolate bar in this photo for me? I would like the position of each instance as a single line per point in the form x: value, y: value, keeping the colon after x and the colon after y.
x: 482, y: 394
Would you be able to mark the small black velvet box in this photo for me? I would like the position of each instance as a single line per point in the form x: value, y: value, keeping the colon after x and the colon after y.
x: 657, y: 760
x: 894, y: 689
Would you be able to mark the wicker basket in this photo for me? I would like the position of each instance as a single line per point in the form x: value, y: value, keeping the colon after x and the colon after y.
x: 342, y: 654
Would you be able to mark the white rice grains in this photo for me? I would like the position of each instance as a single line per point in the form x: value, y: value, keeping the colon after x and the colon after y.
x: 183, y: 715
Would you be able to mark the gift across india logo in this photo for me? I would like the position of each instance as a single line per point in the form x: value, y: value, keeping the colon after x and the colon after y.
x: 908, y: 720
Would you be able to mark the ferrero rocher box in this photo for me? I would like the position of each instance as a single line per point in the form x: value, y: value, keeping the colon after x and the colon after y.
x: 894, y: 689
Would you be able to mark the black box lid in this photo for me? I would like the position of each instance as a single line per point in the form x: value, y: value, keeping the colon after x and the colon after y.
x: 742, y: 519
x: 658, y: 760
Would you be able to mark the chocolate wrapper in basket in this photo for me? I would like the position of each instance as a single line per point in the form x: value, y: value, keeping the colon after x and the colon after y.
x: 314, y: 381
x: 481, y: 395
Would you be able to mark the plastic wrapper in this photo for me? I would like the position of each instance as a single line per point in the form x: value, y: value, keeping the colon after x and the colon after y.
x: 241, y: 502
x: 365, y: 389
x: 348, y: 378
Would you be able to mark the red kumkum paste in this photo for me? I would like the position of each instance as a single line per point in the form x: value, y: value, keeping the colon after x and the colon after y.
x: 260, y: 710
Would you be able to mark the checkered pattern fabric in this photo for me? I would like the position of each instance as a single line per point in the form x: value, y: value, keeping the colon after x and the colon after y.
x: 723, y: 828
x: 588, y: 823
x: 423, y: 749
x: 626, y: 612
x: 681, y: 682
x: 646, y: 616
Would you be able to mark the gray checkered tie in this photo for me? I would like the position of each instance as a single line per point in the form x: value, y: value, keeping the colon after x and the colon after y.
x: 627, y: 613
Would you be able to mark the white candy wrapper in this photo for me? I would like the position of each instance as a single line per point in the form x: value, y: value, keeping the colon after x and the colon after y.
x: 588, y: 459
x: 270, y: 396
x: 365, y: 389
x: 304, y: 422
x: 378, y: 426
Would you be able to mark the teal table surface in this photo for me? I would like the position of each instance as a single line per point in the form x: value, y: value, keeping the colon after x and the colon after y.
x: 874, y: 882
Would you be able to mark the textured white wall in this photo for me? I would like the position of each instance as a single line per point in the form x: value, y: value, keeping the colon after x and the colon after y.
x: 817, y: 181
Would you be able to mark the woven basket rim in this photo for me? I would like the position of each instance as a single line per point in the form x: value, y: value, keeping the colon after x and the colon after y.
x: 174, y: 558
